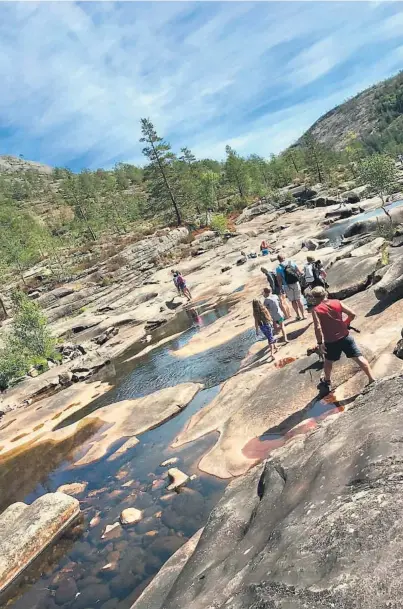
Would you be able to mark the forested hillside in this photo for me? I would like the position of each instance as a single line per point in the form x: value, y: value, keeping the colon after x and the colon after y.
x: 49, y: 214
x: 374, y: 116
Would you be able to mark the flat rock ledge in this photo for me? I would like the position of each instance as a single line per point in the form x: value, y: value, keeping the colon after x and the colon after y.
x: 318, y: 525
x: 27, y: 530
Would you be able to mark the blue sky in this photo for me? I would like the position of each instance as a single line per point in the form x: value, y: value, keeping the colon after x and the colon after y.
x: 77, y: 77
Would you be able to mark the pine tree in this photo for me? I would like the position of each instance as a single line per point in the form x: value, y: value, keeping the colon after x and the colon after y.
x: 159, y: 169
x: 236, y: 172
x: 316, y: 157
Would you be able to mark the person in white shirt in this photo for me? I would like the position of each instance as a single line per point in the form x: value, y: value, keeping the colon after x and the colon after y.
x: 272, y: 304
x: 314, y: 274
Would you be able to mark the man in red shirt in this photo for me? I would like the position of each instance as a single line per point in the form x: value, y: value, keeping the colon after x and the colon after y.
x: 333, y: 335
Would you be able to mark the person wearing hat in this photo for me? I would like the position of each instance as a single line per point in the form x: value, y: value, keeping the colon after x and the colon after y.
x: 331, y: 320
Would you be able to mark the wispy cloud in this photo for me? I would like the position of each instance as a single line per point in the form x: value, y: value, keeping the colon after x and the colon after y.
x: 77, y: 77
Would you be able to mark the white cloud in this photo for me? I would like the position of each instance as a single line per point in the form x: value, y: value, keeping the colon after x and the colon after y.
x: 77, y: 77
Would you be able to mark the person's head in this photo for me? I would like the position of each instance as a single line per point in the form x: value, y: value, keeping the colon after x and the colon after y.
x: 260, y: 313
x: 281, y: 258
x: 310, y: 259
x: 173, y: 272
x: 318, y: 294
x: 266, y: 292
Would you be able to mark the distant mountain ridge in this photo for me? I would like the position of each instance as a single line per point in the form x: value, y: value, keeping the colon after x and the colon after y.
x: 374, y: 115
x: 12, y: 164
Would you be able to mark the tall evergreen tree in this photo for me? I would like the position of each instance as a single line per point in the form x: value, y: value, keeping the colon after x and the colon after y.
x: 159, y: 169
x: 236, y: 172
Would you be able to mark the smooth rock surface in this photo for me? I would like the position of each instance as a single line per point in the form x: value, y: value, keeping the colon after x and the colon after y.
x: 350, y: 275
x: 156, y: 592
x: 391, y: 284
x: 31, y: 530
x: 252, y: 403
x: 318, y: 526
x: 133, y: 417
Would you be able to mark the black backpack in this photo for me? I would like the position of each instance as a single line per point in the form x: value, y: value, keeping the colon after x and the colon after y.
x: 318, y: 281
x: 272, y: 279
x: 290, y: 274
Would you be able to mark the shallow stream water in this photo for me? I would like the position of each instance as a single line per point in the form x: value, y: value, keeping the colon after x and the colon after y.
x: 336, y: 231
x: 79, y: 578
x: 88, y: 572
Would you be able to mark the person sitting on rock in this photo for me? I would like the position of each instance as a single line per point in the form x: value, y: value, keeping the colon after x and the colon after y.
x: 288, y: 276
x: 264, y: 323
x: 272, y: 304
x: 333, y: 335
x: 264, y: 248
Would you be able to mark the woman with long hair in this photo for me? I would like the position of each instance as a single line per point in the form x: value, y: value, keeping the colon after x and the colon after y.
x: 264, y: 323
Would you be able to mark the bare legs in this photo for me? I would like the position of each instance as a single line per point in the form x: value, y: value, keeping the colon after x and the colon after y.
x: 365, y: 367
x: 284, y: 306
x: 298, y: 308
x: 283, y: 331
x: 273, y: 349
x: 186, y: 292
x: 362, y: 363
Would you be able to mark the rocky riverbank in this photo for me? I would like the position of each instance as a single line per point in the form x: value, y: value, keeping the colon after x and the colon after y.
x: 60, y: 414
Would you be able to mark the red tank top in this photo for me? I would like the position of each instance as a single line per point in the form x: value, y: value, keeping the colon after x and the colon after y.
x: 331, y: 319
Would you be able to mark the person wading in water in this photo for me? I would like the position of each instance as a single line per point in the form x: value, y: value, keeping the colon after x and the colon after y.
x: 333, y: 335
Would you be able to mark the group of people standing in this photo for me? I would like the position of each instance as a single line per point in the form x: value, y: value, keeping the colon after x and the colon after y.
x: 288, y: 282
x: 332, y: 319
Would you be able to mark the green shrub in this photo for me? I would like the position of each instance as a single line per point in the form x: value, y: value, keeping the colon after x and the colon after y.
x: 219, y: 223
x: 28, y: 343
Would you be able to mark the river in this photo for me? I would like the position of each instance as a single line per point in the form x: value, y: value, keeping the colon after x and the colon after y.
x: 88, y: 572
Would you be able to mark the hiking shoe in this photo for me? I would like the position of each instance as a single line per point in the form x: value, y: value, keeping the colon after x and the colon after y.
x: 324, y: 387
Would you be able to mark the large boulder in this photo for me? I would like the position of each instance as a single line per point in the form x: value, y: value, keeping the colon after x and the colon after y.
x: 352, y: 197
x: 314, y: 244
x: 26, y: 530
x: 323, y: 202
x: 350, y: 275
x: 372, y: 248
x: 319, y: 525
x: 252, y: 212
x: 303, y: 193
x: 391, y: 285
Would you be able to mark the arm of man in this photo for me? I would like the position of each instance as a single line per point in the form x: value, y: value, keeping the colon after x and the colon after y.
x: 296, y: 267
x: 279, y: 279
x: 318, y: 332
x: 349, y: 312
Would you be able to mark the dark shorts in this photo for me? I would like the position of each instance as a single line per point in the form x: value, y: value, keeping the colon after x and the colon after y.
x: 346, y: 345
x: 267, y: 330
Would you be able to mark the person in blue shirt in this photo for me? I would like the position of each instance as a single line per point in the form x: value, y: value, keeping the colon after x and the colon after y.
x: 288, y: 275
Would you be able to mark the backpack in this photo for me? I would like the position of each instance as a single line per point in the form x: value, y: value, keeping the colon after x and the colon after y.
x: 272, y: 279
x: 290, y: 274
x: 318, y: 281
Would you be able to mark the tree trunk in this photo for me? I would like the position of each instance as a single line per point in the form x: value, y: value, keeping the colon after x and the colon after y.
x: 175, y: 205
x: 3, y: 308
x: 293, y: 162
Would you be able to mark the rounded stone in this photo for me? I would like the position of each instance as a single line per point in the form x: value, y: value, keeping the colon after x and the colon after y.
x: 66, y: 591
x: 131, y: 516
